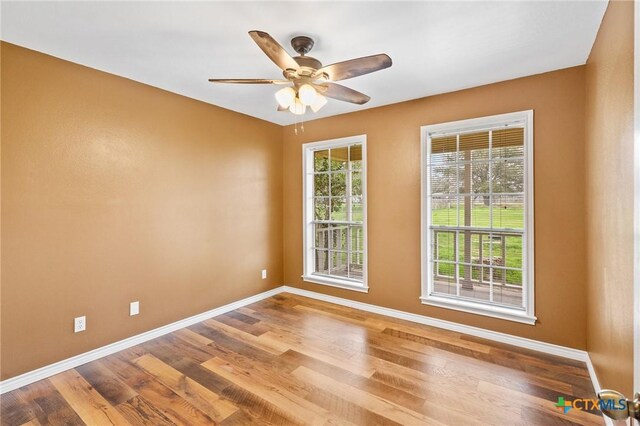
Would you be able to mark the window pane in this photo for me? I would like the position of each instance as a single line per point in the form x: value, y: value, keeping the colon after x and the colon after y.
x: 339, y: 158
x: 506, y: 293
x: 321, y: 184
x: 507, y: 143
x: 444, y: 245
x: 474, y: 211
x: 321, y: 208
x: 338, y: 184
x: 507, y: 211
x: 513, y: 251
x: 356, y: 265
x: 444, y: 179
x: 356, y: 183
x: 322, y: 236
x: 339, y: 208
x: 321, y: 261
x: 356, y: 209
x: 514, y: 278
x: 357, y: 238
x: 444, y: 280
x: 474, y: 146
x: 355, y: 156
x: 475, y: 178
x: 444, y: 211
x: 507, y: 176
x: 475, y: 290
x: 321, y: 161
x: 339, y: 237
x: 443, y: 150
x: 339, y: 264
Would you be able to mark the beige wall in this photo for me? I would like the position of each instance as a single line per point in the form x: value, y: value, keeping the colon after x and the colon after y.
x: 393, y: 143
x: 114, y: 191
x: 609, y: 209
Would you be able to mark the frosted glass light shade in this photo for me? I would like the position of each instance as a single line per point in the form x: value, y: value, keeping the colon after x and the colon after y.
x: 319, y: 103
x: 298, y: 108
x: 286, y: 97
x: 307, y: 94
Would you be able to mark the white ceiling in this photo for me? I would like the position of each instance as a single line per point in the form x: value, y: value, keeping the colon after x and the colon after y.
x: 436, y: 47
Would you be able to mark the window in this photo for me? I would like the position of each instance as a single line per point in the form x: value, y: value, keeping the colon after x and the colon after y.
x: 335, y: 213
x: 477, y: 216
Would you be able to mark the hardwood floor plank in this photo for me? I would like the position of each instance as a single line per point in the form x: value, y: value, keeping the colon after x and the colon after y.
x: 14, y: 410
x: 300, y: 409
x: 106, y: 383
x: 49, y: 406
x: 363, y: 399
x: 193, y: 392
x: 92, y: 408
x: 138, y: 411
x: 242, y: 317
x: 256, y: 328
x: 365, y: 384
x: 192, y: 337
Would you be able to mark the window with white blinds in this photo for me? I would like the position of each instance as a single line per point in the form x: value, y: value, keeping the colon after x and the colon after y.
x: 335, y: 212
x: 477, y: 215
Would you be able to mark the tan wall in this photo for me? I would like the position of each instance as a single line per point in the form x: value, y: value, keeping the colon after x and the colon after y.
x: 393, y: 143
x: 609, y: 186
x: 114, y: 191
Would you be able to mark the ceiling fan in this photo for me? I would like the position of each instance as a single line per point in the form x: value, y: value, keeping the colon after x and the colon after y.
x: 309, y: 83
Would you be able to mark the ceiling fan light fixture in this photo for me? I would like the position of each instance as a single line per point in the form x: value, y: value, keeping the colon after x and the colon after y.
x: 319, y: 103
x: 298, y: 108
x: 307, y: 94
x: 286, y: 97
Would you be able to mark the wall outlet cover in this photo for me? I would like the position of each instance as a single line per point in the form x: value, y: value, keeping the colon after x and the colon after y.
x: 264, y: 274
x: 79, y: 324
x: 134, y: 308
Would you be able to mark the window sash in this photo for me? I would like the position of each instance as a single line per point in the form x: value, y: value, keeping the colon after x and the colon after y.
x: 451, y: 169
x: 352, y: 220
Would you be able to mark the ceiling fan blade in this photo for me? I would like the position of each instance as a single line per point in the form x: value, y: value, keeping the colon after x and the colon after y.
x: 273, y: 50
x: 247, y: 81
x: 342, y: 93
x: 355, y: 67
x: 281, y: 108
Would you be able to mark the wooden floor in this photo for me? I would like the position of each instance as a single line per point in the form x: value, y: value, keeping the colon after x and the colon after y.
x: 292, y: 360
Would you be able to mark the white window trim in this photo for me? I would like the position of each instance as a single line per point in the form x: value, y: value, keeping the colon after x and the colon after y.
x: 307, y: 215
x: 526, y: 315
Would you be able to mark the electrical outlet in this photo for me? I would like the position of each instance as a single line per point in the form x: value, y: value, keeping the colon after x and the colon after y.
x: 264, y: 274
x: 79, y: 324
x: 134, y: 308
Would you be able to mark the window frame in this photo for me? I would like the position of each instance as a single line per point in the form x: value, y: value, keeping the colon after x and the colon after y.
x: 308, y: 214
x: 525, y: 315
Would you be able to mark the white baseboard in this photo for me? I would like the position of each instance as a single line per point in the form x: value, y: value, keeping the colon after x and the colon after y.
x: 69, y: 363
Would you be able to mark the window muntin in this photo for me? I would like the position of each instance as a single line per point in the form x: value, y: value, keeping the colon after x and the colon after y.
x: 477, y: 216
x: 335, y: 212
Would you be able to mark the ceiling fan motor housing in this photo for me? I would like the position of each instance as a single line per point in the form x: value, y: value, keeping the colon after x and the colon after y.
x: 302, y: 44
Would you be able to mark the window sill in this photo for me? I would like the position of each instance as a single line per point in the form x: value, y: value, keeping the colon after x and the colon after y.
x: 334, y: 282
x: 480, y: 309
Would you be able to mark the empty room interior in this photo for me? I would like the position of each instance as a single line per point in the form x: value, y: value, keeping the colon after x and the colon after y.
x: 320, y: 213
